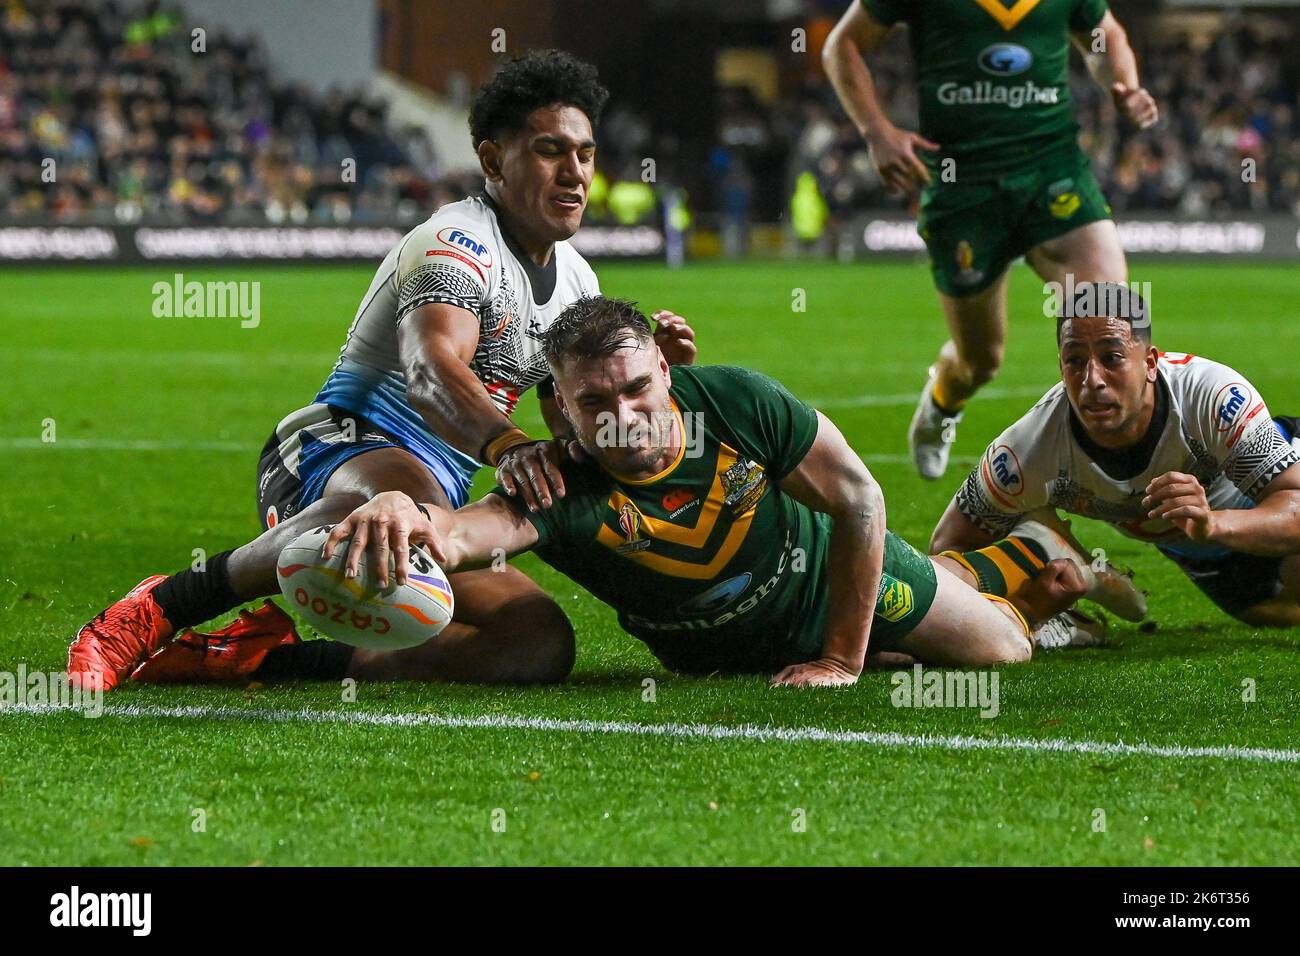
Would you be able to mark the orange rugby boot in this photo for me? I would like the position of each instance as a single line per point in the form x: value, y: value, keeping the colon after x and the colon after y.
x: 109, y: 647
x: 228, y: 655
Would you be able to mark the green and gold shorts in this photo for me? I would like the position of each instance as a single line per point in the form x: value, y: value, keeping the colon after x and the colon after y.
x: 908, y: 583
x: 974, y: 230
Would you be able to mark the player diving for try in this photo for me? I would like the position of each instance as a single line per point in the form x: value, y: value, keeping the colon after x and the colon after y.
x: 997, y: 161
x: 729, y: 524
x: 1168, y: 448
x: 444, y: 343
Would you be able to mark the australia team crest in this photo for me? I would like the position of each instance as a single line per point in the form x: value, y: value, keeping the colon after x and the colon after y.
x: 743, y: 485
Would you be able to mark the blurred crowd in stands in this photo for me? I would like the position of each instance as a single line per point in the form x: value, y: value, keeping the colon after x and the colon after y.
x: 1230, y: 109
x: 139, y: 128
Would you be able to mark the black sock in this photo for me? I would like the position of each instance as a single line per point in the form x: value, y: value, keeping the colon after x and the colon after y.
x: 191, y: 597
x: 310, y: 660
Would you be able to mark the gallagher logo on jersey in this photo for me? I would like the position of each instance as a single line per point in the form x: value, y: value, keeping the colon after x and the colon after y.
x: 1005, y: 59
x: 467, y: 243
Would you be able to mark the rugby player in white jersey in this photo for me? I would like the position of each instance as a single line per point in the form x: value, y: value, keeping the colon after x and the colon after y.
x: 1169, y: 448
x: 444, y: 343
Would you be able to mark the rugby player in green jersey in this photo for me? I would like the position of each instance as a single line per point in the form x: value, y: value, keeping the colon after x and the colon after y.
x: 997, y: 162
x: 729, y: 524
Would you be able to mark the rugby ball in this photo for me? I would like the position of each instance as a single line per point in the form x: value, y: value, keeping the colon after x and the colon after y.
x: 355, y: 610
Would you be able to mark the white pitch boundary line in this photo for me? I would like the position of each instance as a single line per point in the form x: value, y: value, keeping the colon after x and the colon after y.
x: 695, y: 731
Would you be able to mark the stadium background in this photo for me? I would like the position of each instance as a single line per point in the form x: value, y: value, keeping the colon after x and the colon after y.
x: 751, y: 153
x: 227, y: 164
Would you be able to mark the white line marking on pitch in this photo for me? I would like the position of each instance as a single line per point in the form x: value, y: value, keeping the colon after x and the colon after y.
x: 704, y: 731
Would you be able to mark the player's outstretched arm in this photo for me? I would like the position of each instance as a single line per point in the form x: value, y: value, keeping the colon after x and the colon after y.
x: 391, y: 522
x: 437, y: 343
x: 844, y: 58
x: 1113, y: 65
x: 1270, y: 529
x: 832, y: 479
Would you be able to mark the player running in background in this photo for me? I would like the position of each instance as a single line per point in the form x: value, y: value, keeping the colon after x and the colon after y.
x: 997, y: 160
x: 729, y: 524
x: 444, y: 343
x: 1168, y: 448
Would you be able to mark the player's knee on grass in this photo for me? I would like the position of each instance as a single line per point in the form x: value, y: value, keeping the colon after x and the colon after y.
x: 1011, y: 644
x: 546, y: 651
x: 965, y: 628
x: 1278, y: 613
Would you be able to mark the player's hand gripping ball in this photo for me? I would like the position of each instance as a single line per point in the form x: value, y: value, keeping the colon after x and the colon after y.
x: 357, y: 610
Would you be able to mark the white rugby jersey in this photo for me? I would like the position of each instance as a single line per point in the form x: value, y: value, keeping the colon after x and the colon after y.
x: 1217, y: 429
x: 458, y: 256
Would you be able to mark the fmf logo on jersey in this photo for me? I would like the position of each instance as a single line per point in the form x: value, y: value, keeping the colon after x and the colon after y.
x: 1006, y: 470
x: 466, y: 242
x: 1229, y: 404
x: 1005, y: 59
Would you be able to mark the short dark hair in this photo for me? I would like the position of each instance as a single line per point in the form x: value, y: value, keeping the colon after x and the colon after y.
x: 533, y: 80
x: 594, y: 327
x: 1108, y: 300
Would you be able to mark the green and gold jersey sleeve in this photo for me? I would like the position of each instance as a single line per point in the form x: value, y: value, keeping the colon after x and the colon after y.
x: 574, y: 519
x: 767, y: 422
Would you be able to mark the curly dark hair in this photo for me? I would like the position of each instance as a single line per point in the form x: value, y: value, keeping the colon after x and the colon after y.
x: 593, y: 327
x: 531, y: 81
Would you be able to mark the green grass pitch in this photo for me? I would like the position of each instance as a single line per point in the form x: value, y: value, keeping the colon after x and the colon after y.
x: 158, y: 424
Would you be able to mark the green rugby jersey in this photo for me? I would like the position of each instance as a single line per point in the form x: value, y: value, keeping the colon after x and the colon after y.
x: 709, y: 562
x: 993, y: 77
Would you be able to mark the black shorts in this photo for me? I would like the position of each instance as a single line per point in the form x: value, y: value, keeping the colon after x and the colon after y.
x: 1235, y: 582
x: 304, y: 450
